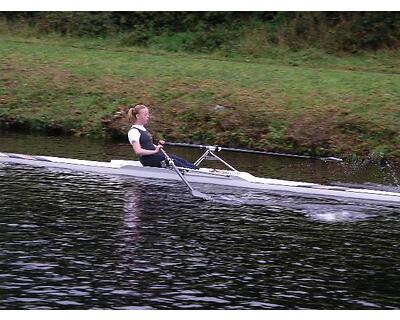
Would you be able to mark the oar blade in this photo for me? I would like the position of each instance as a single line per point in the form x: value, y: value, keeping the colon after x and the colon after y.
x: 332, y: 159
x: 201, y: 195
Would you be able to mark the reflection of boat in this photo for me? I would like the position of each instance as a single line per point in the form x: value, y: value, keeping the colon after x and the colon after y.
x: 228, y: 178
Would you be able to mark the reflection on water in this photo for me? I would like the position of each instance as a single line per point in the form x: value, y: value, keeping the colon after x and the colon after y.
x: 71, y: 240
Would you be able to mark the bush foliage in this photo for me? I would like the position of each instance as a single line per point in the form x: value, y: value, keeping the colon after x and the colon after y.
x: 233, y: 32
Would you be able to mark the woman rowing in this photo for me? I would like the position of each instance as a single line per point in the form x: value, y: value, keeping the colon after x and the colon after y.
x: 142, y: 143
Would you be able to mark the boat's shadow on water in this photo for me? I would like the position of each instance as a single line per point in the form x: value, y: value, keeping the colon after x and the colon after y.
x: 317, y: 209
x: 265, y: 203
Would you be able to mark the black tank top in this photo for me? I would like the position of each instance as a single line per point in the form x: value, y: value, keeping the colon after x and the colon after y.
x: 146, y: 142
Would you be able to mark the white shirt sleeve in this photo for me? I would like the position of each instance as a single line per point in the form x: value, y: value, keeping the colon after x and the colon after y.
x: 133, y: 135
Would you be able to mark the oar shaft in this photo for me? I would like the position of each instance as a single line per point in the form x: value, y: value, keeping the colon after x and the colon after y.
x: 171, y: 162
x: 198, y: 146
x: 194, y: 192
x: 277, y: 154
x: 188, y: 145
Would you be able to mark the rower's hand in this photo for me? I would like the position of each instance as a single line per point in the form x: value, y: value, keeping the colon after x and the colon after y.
x: 161, y: 142
x: 158, y: 147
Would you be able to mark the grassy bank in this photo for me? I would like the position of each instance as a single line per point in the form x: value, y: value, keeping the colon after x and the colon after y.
x: 307, y: 101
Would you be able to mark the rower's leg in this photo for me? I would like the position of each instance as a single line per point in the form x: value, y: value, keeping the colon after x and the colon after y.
x: 179, y: 162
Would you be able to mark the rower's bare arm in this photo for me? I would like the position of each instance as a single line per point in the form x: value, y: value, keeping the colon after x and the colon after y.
x: 139, y: 151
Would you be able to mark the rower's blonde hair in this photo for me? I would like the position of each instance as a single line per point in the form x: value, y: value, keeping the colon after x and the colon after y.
x: 133, y: 111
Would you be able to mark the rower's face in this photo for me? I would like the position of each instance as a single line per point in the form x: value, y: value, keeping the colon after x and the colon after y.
x: 143, y: 116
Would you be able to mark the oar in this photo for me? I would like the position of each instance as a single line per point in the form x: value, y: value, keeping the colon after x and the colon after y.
x: 217, y: 148
x: 195, y: 193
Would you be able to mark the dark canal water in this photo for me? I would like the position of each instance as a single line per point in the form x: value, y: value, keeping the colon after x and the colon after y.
x: 71, y: 240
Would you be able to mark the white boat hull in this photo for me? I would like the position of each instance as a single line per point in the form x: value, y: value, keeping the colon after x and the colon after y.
x: 206, y: 176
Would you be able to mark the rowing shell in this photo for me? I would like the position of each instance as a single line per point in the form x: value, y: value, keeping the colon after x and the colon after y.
x: 205, y: 176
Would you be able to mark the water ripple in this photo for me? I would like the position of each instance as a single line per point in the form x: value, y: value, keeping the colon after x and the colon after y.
x: 77, y: 241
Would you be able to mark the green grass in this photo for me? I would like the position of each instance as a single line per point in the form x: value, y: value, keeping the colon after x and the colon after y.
x: 306, y: 101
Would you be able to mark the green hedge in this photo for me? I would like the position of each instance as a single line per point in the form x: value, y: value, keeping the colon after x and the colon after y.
x: 210, y: 31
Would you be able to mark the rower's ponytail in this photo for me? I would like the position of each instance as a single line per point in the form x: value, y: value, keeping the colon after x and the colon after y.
x: 133, y: 111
